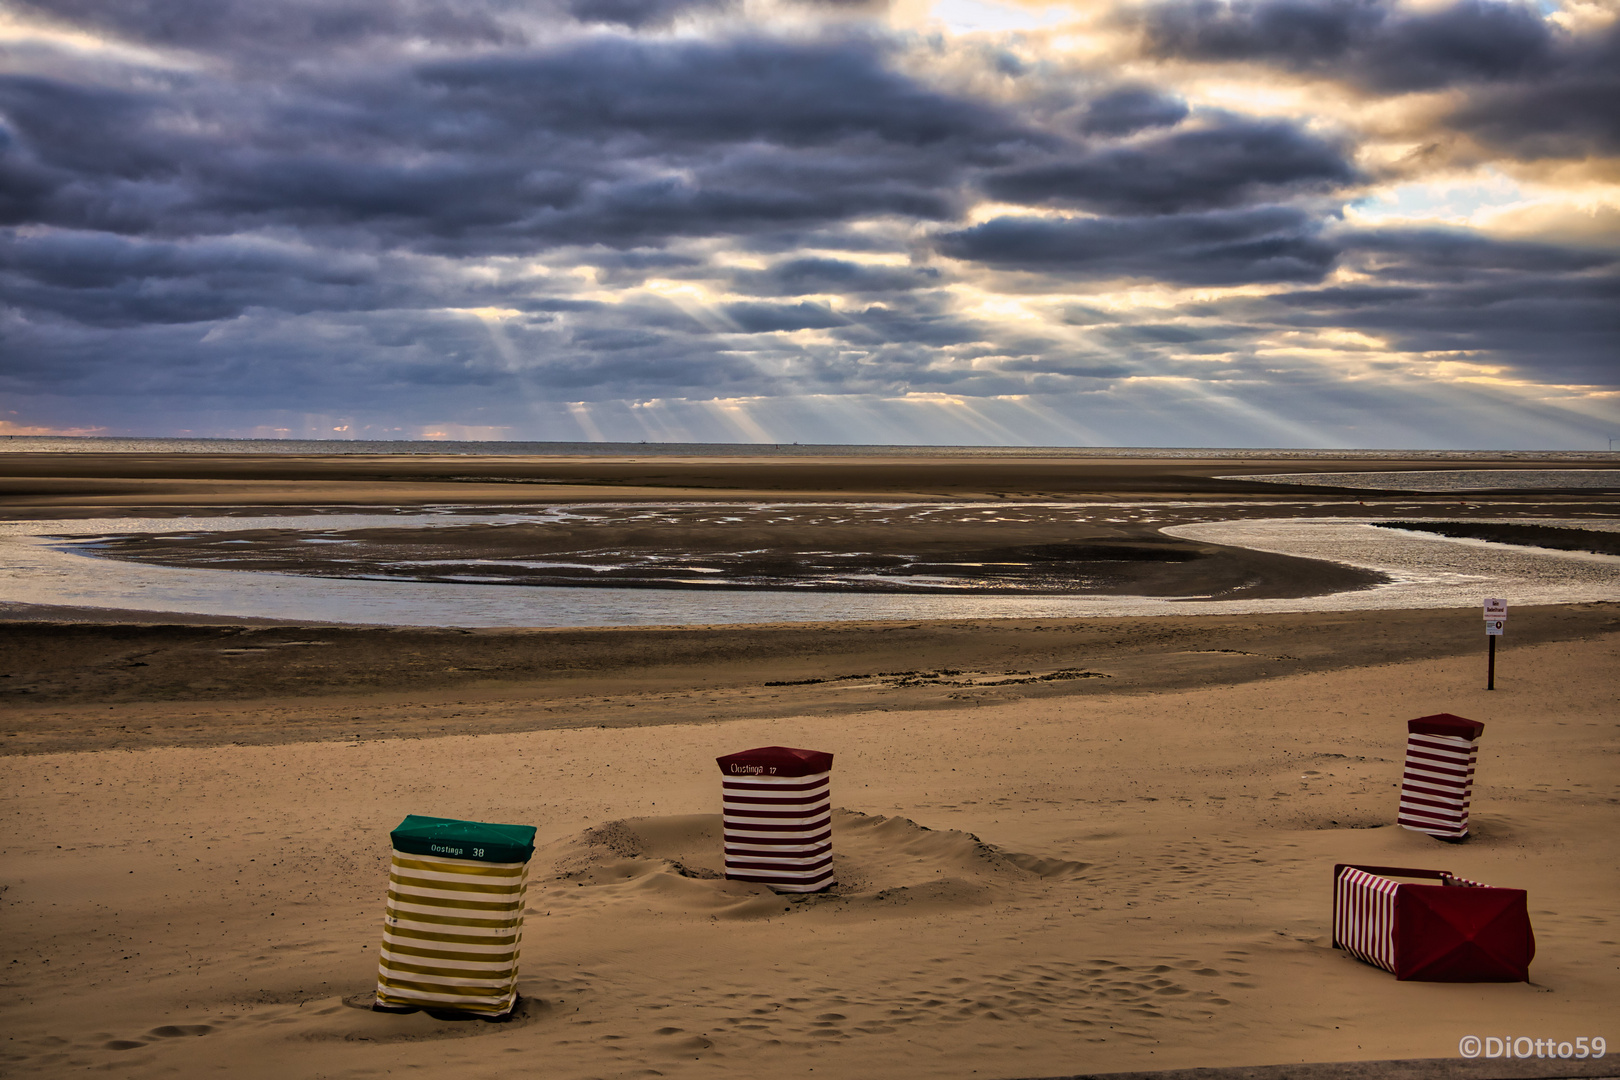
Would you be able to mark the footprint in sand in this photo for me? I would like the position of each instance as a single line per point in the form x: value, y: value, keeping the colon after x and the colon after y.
x: 890, y: 868
x: 166, y: 1031
x: 1114, y: 998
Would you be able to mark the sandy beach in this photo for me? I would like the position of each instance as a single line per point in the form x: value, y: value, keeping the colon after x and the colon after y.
x: 1062, y: 846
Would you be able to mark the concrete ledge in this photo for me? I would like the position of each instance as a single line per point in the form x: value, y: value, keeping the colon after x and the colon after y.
x: 1605, y: 1068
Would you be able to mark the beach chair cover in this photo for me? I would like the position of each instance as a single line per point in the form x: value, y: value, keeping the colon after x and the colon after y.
x: 1439, y: 778
x: 1440, y: 928
x: 777, y: 812
x: 454, y: 923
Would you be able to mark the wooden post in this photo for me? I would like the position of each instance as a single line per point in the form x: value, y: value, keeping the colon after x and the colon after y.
x: 1495, y: 623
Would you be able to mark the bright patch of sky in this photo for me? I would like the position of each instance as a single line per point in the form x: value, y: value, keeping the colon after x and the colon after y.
x: 969, y: 16
x: 1465, y: 200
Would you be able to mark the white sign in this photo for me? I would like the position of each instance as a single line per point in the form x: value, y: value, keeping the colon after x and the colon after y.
x: 1495, y: 609
x: 1493, y: 627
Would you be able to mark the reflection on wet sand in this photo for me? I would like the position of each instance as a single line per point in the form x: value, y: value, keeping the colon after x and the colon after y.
x: 1212, y: 566
x: 909, y: 548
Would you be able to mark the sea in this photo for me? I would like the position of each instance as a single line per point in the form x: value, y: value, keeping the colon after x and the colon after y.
x: 61, y: 444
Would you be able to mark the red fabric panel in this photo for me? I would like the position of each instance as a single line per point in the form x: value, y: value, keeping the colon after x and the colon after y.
x: 1393, y: 871
x: 775, y: 761
x: 739, y: 840
x: 778, y: 864
x: 1445, y: 724
x: 1444, y: 933
x: 759, y: 814
x: 744, y: 784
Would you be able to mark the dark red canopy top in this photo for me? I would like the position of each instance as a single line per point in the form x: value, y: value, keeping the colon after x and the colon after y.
x: 1445, y: 724
x: 775, y: 761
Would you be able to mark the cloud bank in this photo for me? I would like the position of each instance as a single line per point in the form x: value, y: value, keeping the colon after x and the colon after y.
x: 1285, y: 222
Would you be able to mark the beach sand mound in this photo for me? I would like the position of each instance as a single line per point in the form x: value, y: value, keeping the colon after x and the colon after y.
x: 882, y: 864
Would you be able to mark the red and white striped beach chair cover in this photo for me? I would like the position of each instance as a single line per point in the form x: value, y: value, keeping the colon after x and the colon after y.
x: 1438, y: 781
x: 777, y: 813
x: 1438, y: 928
x: 1364, y: 915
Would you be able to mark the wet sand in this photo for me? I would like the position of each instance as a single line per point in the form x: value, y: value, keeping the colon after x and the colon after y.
x: 917, y: 548
x: 90, y: 484
x: 1063, y: 846
x: 93, y: 685
x: 1542, y: 536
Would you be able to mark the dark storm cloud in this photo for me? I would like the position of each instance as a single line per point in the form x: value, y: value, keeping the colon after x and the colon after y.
x: 264, y: 354
x: 1193, y: 338
x: 641, y: 13
x: 631, y: 269
x: 600, y: 140
x: 768, y: 318
x: 798, y: 277
x: 1231, y: 161
x: 1458, y: 255
x: 250, y: 27
x: 171, y: 198
x: 1130, y: 109
x: 108, y: 280
x: 1228, y: 247
x: 76, y: 149
x: 789, y: 93
x: 367, y: 359
x: 886, y: 237
x: 1557, y: 334
x: 1533, y: 89
x: 918, y: 323
x: 1547, y: 313
x: 252, y: 30
x: 25, y: 185
x: 1370, y: 41
x: 1573, y: 112
x: 104, y: 279
x: 658, y: 14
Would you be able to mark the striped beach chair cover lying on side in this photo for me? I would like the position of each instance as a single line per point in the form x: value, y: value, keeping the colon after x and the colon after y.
x: 454, y: 923
x: 1438, y: 781
x: 1432, y: 927
x: 777, y: 814
x: 1364, y: 915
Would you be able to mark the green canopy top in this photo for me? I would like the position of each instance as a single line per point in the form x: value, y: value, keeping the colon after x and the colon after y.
x: 452, y: 839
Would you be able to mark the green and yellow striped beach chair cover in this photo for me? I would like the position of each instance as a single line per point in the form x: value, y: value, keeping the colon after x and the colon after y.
x: 454, y: 923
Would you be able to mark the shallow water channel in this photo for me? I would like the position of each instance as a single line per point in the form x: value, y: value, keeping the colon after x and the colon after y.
x: 38, y: 567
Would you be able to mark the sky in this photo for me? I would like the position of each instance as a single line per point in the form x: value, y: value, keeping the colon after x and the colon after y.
x: 1247, y: 223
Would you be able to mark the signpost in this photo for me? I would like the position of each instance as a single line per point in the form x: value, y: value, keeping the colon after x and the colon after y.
x: 1495, y: 623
